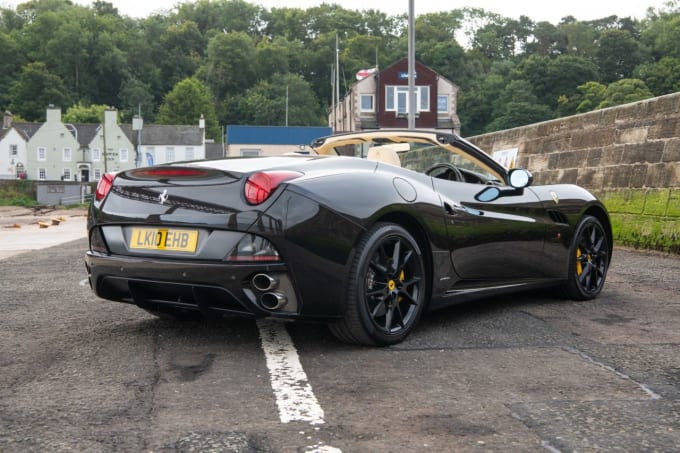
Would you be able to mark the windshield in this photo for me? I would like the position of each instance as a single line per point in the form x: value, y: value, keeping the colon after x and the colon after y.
x: 421, y: 156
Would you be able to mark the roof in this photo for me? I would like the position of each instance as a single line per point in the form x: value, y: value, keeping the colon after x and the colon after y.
x: 28, y: 130
x: 159, y: 134
x: 86, y: 133
x: 275, y: 135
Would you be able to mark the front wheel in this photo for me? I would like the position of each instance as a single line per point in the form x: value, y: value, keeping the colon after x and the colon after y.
x: 588, y: 260
x: 386, y: 288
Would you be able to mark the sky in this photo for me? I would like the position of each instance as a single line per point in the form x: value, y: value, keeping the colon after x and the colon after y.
x: 536, y: 10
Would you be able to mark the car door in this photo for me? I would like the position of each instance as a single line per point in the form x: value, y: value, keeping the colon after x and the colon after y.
x: 496, y: 240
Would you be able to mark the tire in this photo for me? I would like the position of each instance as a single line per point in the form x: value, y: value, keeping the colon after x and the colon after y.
x: 588, y: 260
x: 386, y: 288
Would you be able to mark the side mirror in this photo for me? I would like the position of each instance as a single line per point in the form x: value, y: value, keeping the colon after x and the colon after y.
x: 520, y: 178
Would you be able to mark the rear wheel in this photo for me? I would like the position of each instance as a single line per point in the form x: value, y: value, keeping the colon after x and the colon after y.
x: 588, y: 260
x: 386, y: 288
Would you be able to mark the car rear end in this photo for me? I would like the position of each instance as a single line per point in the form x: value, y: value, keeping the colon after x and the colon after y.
x: 182, y: 239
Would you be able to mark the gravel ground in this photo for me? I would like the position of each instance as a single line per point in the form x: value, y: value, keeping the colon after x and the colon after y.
x: 19, y: 215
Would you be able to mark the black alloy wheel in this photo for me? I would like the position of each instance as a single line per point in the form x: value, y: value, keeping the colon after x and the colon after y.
x: 589, y: 260
x: 387, y: 287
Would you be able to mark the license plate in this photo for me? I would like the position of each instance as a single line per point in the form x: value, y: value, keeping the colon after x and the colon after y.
x: 169, y: 239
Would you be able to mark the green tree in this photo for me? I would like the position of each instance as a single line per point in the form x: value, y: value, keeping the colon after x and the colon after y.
x: 181, y: 48
x: 625, y: 91
x: 477, y: 102
x: 268, y: 103
x: 662, y: 77
x: 517, y: 106
x: 222, y: 16
x: 136, y: 95
x: 617, y: 55
x: 79, y: 113
x: 581, y: 38
x: 34, y: 90
x: 549, y: 40
x: 229, y: 67
x: 591, y: 95
x: 185, y: 104
x: 551, y: 78
x: 272, y: 57
x: 662, y: 34
x: 12, y: 60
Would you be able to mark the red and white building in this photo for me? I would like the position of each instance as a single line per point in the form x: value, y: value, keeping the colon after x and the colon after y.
x: 380, y: 101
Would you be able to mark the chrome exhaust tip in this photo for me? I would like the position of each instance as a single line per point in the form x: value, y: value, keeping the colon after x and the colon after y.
x: 273, y: 301
x: 264, y: 282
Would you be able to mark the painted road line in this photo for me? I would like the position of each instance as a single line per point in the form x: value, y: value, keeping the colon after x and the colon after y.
x: 292, y: 390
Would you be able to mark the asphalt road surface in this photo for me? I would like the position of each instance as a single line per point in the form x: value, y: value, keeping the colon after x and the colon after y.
x: 523, y: 373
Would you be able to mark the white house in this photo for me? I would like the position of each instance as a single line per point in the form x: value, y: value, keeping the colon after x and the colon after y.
x: 161, y: 144
x: 13, y: 144
x: 110, y: 149
x: 51, y: 151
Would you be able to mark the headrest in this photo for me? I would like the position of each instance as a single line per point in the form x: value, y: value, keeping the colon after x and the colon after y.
x: 387, y: 153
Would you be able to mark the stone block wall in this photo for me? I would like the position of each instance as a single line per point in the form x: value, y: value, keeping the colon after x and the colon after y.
x: 628, y: 155
x: 631, y: 146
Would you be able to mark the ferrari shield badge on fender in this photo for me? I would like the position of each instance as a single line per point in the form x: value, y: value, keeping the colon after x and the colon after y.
x: 554, y: 196
x: 162, y: 198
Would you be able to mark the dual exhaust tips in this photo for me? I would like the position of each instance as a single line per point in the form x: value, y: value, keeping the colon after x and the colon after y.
x: 270, y: 299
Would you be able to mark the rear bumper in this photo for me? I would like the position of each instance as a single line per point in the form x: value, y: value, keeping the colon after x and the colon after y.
x: 214, y: 289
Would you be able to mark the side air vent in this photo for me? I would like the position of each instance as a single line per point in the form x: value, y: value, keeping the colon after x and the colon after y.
x: 558, y: 217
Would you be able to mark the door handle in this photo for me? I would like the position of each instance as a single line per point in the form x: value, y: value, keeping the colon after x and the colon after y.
x: 453, y: 208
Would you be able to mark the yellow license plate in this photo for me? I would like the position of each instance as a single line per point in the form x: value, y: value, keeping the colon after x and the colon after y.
x: 164, y: 239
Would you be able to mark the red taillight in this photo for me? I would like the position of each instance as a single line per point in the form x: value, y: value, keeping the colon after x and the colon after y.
x: 104, y: 186
x: 260, y: 186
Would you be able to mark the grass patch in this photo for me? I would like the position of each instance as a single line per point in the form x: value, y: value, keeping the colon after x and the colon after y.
x: 17, y: 193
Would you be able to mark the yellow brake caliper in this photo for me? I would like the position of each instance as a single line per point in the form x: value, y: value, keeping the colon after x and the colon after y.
x: 401, y: 279
x: 579, y: 267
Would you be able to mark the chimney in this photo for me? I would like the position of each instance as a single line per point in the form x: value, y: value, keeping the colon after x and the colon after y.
x: 53, y: 114
x: 7, y: 120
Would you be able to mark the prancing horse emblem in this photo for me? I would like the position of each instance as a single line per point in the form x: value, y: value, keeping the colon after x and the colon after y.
x: 555, y: 198
x: 163, y: 197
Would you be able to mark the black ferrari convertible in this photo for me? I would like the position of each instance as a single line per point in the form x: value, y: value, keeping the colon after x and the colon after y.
x: 365, y: 234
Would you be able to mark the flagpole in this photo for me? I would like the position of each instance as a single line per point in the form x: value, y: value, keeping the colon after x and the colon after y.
x: 411, y: 66
x: 337, y: 72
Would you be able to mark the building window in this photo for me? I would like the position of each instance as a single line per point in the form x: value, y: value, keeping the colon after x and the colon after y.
x: 396, y: 98
x: 424, y: 99
x: 42, y: 174
x: 97, y: 174
x: 42, y: 153
x: 189, y: 153
x: 169, y: 154
x: 250, y: 152
x: 13, y: 150
x: 123, y: 155
x: 67, y: 174
x: 66, y: 155
x: 367, y: 104
x: 96, y: 154
x: 442, y: 103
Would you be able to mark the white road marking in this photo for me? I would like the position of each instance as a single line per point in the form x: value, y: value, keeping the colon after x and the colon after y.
x: 653, y: 395
x: 321, y: 448
x: 292, y: 390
